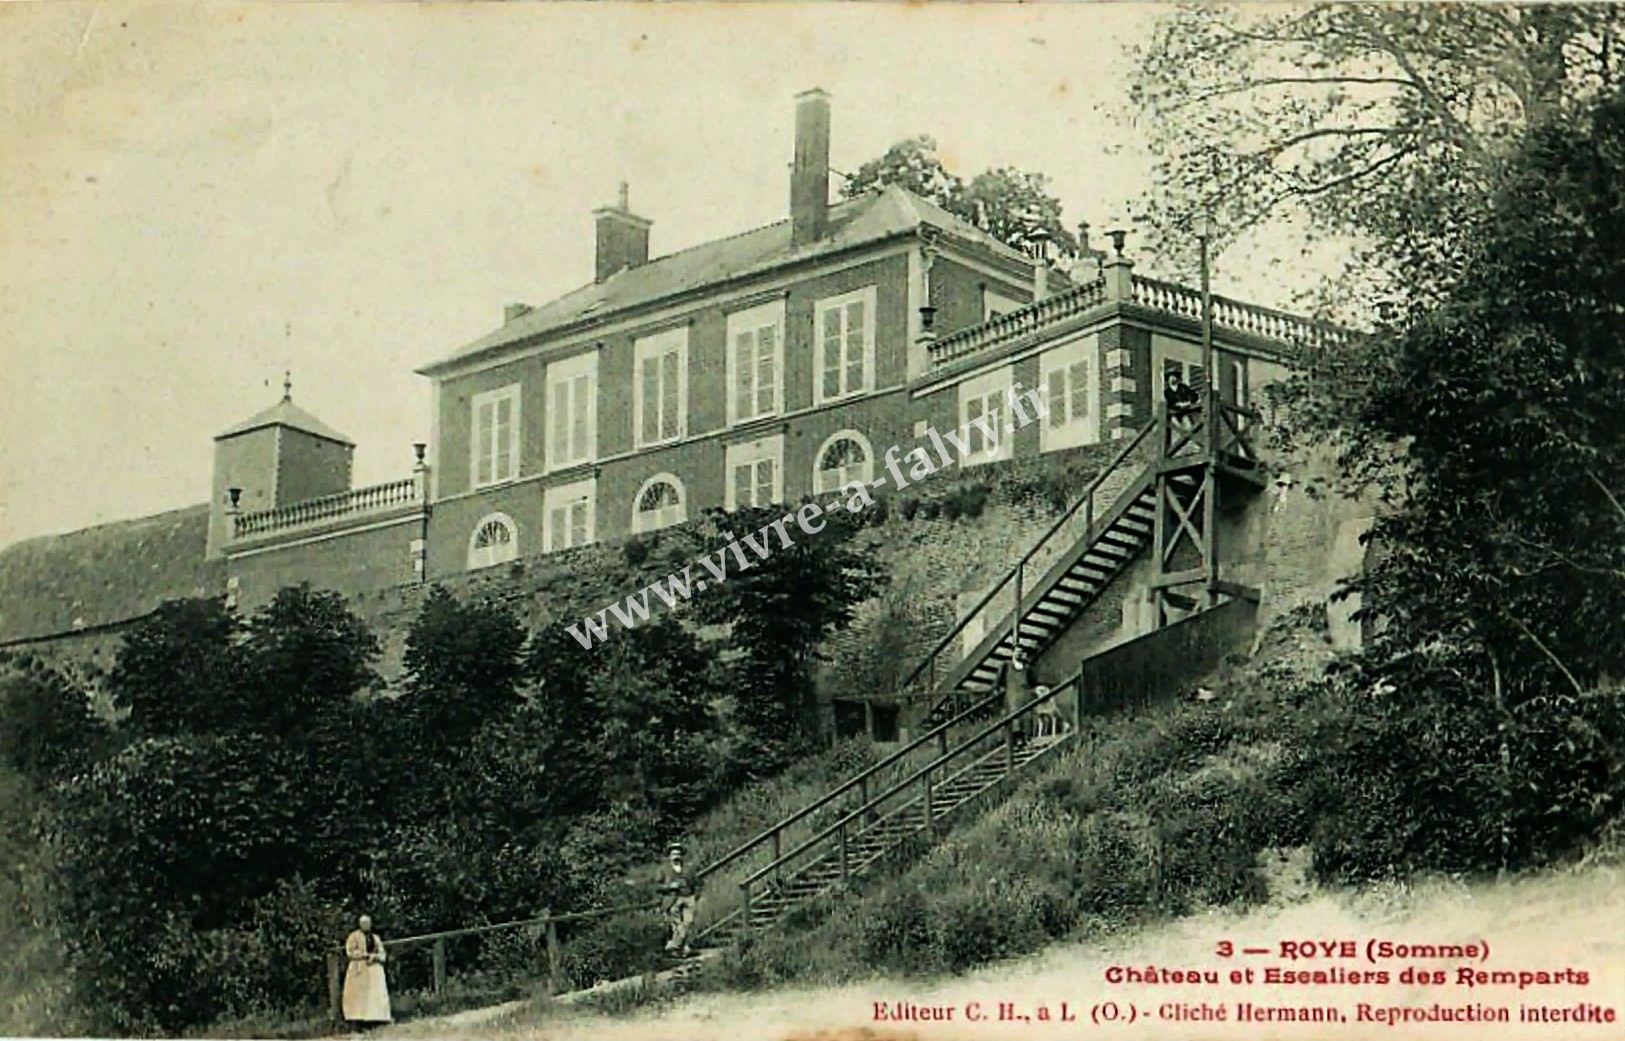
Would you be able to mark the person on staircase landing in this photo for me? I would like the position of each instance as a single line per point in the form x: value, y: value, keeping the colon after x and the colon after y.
x: 366, y: 991
x: 1018, y: 693
x: 1182, y: 399
x: 1051, y: 722
x: 678, y: 883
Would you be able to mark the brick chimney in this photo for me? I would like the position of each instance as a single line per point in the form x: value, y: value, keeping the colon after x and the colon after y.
x: 809, y: 175
x: 623, y: 238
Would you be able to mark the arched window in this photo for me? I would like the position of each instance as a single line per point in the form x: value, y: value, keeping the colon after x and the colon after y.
x: 495, y: 541
x: 659, y: 504
x: 845, y: 457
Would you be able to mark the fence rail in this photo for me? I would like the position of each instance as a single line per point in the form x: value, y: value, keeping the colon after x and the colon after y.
x: 358, y: 502
x: 438, y: 943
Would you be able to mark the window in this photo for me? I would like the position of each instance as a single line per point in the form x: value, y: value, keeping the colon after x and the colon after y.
x: 995, y: 304
x: 495, y: 541
x: 568, y: 516
x: 573, y: 424
x: 660, y: 394
x: 496, y: 436
x: 984, y: 411
x: 1238, y: 379
x: 845, y: 457
x: 1067, y: 381
x: 753, y: 472
x: 756, y: 362
x: 845, y: 330
x: 659, y: 504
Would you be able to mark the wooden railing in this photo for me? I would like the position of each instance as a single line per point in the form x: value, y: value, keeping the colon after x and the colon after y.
x: 1185, y: 437
x: 437, y: 943
x: 857, y: 786
x: 377, y: 498
x: 1010, y: 594
x: 919, y: 786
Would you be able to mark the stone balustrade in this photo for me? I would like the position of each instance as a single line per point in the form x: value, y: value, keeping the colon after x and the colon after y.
x: 1147, y: 293
x: 359, y: 502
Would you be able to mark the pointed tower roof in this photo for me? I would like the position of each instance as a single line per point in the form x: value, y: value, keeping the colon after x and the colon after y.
x: 286, y: 413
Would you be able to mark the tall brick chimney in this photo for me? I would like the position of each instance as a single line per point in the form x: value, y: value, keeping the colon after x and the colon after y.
x: 623, y: 238
x: 809, y: 176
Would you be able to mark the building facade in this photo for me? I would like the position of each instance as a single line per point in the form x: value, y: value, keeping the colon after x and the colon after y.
x: 761, y: 368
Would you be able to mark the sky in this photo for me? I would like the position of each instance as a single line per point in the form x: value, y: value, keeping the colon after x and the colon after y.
x: 195, y: 199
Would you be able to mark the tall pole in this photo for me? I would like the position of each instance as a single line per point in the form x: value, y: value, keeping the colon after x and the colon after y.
x: 1210, y: 412
x: 1210, y: 422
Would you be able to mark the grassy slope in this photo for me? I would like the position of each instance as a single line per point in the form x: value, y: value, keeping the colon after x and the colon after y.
x: 1150, y: 816
x: 1544, y: 920
x: 1154, y: 839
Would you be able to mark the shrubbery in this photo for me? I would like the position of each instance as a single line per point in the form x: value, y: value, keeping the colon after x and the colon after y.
x: 260, y: 790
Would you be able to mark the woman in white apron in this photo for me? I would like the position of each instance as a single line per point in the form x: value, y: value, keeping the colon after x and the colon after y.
x: 366, y: 992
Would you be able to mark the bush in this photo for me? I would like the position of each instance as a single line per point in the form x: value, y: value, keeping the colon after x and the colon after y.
x: 1117, y: 870
x: 1442, y: 777
x: 616, y: 947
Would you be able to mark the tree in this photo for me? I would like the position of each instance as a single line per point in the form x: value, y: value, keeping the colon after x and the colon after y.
x: 1361, y: 120
x: 779, y: 611
x: 1012, y: 206
x: 463, y: 668
x: 177, y: 670
x: 1503, y: 573
x: 305, y: 657
x: 46, y: 725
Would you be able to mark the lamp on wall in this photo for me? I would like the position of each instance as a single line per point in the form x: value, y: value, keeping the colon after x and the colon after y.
x: 235, y: 495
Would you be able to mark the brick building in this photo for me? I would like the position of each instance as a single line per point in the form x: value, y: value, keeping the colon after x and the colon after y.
x: 759, y: 368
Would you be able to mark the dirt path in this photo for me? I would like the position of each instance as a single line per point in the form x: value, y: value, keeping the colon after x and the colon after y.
x: 1551, y: 923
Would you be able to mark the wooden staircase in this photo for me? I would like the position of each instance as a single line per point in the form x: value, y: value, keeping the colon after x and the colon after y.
x: 1158, y: 494
x: 1165, y: 468
x: 868, y: 830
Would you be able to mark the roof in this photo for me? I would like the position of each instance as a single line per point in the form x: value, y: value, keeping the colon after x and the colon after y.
x: 286, y: 413
x: 106, y: 574
x: 869, y: 219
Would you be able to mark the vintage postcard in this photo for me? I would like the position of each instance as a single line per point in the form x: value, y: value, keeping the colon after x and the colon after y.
x: 905, y: 522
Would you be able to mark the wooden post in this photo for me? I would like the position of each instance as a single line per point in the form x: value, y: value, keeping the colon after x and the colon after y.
x: 750, y: 922
x: 929, y: 807
x: 942, y: 740
x: 335, y: 985
x: 1015, y: 628
x: 1077, y: 701
x: 778, y: 877
x: 438, y: 953
x: 552, y: 952
x: 846, y: 873
x: 1210, y: 534
x: 863, y: 797
x: 1010, y: 744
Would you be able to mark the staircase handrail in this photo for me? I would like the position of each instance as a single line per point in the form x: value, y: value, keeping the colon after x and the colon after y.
x: 1080, y: 502
x: 1070, y: 684
x: 855, y: 781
